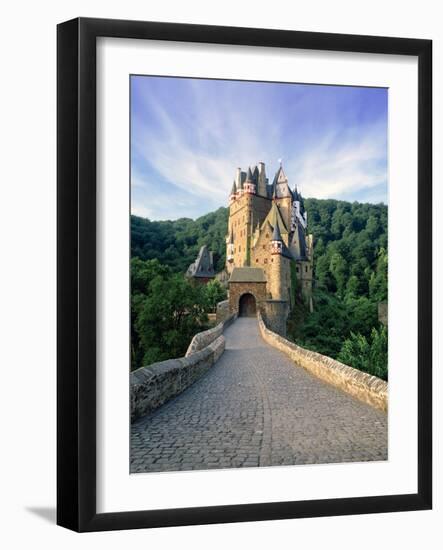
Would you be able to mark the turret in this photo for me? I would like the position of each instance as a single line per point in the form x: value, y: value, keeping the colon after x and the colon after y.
x: 233, y: 194
x: 249, y: 185
x: 276, y: 241
x: 277, y: 265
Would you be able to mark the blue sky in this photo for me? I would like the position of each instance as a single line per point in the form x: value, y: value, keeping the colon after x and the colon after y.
x: 189, y: 135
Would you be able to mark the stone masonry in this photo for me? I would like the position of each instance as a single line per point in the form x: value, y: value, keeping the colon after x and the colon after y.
x: 255, y: 407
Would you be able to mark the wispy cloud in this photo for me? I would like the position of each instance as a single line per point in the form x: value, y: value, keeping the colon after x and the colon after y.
x: 188, y: 136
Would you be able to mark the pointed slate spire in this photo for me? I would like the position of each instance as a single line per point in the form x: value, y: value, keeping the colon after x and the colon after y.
x: 234, y: 189
x: 276, y: 235
x: 249, y: 177
x: 274, y: 190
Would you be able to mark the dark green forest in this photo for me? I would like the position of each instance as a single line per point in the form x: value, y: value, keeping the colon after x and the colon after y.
x: 176, y: 243
x: 350, y: 279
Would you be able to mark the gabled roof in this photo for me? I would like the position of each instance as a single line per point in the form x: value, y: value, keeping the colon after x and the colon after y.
x: 203, y: 266
x: 247, y: 275
x: 274, y: 217
x: 280, y: 178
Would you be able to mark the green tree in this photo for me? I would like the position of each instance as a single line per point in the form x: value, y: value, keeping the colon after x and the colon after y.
x: 339, y: 270
x: 214, y: 293
x: 170, y: 315
x: 367, y: 354
x: 378, y: 282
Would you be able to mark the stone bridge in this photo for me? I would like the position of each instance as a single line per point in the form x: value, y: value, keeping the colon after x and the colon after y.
x: 254, y: 407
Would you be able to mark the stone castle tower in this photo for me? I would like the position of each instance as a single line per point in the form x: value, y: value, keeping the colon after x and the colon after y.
x: 268, y: 250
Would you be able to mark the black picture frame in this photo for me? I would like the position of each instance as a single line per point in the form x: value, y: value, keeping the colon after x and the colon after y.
x: 76, y: 273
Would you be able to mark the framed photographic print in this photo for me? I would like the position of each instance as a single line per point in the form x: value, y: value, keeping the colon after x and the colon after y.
x: 244, y: 274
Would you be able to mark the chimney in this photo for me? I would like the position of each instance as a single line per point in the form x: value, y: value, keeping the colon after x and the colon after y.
x: 261, y: 179
x: 238, y: 178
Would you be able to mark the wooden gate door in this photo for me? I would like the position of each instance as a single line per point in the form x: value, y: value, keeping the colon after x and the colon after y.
x: 247, y: 306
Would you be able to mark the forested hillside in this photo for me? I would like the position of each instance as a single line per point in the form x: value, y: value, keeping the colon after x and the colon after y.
x: 176, y: 243
x: 350, y: 273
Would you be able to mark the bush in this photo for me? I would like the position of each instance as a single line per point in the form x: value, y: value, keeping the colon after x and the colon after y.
x: 369, y: 355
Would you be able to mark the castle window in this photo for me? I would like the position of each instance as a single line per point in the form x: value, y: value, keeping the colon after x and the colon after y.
x: 264, y: 246
x: 306, y: 268
x: 266, y: 260
x: 272, y: 260
x: 256, y: 261
x: 298, y: 269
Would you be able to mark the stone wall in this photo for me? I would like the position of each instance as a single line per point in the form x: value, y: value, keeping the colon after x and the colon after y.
x: 236, y: 290
x: 222, y: 310
x: 361, y: 385
x: 154, y: 385
x: 203, y: 339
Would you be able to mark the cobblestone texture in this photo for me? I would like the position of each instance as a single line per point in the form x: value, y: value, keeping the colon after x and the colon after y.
x: 255, y: 408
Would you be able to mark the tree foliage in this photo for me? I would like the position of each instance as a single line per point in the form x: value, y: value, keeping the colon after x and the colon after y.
x: 367, y: 354
x: 167, y: 310
x: 176, y: 243
x: 350, y: 279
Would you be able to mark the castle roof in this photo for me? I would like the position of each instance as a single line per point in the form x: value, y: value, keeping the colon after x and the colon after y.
x: 276, y: 235
x: 302, y: 241
x: 280, y: 178
x: 234, y: 189
x: 249, y: 177
x: 203, y: 265
x: 247, y: 275
x: 274, y: 218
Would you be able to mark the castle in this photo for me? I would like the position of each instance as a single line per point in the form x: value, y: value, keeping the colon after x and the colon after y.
x: 269, y: 254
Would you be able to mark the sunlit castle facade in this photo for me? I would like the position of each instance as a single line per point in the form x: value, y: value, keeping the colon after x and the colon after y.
x: 269, y: 254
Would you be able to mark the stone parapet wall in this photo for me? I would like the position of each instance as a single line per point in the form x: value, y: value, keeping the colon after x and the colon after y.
x: 222, y: 310
x: 156, y: 384
x: 203, y: 339
x: 363, y: 386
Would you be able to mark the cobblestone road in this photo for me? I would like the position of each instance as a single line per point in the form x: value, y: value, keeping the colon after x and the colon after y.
x: 255, y: 408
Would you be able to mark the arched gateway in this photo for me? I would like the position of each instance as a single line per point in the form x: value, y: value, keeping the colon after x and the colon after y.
x: 247, y: 306
x: 247, y: 291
